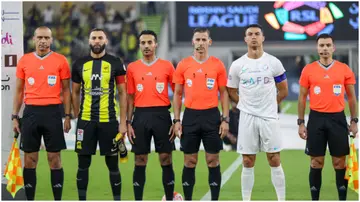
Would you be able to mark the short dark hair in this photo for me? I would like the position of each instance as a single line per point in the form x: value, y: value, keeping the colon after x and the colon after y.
x: 148, y: 32
x: 98, y: 30
x: 324, y: 36
x: 256, y: 26
x: 202, y: 30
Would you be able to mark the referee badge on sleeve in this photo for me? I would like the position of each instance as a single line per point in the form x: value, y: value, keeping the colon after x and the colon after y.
x: 337, y: 89
x: 160, y: 86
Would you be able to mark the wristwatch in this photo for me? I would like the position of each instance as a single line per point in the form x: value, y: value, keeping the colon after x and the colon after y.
x: 14, y: 116
x: 128, y: 122
x: 69, y: 115
x: 225, y: 118
x: 355, y: 120
x: 300, y: 121
x: 176, y: 120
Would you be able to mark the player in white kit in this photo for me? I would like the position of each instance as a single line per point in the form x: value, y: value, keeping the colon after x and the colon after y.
x: 260, y: 80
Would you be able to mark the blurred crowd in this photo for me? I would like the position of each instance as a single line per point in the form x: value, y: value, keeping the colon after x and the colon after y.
x: 71, y: 27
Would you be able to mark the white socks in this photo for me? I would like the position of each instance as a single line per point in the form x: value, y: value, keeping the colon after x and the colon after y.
x: 247, y: 182
x: 248, y: 178
x: 278, y: 180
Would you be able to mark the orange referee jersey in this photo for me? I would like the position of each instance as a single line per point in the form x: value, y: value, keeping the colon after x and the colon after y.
x: 327, y: 85
x: 43, y: 77
x: 201, y: 81
x: 149, y: 82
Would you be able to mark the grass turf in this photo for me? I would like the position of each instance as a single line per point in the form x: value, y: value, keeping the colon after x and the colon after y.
x: 295, y: 164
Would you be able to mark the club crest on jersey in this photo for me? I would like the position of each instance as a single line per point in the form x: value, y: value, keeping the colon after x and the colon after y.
x: 337, y: 89
x: 106, y: 69
x: 51, y: 80
x: 210, y: 83
x: 160, y: 86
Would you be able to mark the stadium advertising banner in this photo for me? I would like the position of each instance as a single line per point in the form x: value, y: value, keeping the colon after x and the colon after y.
x: 11, y: 51
x: 281, y: 20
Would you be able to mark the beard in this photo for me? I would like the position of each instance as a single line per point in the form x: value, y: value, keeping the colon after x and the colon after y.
x: 97, y: 49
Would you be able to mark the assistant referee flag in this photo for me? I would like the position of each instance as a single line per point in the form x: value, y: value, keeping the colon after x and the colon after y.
x: 13, y: 170
x: 352, y: 168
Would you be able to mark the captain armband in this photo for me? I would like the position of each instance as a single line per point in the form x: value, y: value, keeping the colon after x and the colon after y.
x: 120, y: 79
x: 280, y: 78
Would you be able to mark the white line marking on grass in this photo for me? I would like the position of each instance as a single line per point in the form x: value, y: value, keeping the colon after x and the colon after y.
x: 286, y: 107
x: 225, y: 176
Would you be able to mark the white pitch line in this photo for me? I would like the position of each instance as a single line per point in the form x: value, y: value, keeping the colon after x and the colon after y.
x: 225, y: 177
x: 286, y: 107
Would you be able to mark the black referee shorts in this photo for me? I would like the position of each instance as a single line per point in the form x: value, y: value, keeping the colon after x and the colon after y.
x: 42, y: 121
x: 151, y: 122
x: 327, y: 128
x: 200, y: 125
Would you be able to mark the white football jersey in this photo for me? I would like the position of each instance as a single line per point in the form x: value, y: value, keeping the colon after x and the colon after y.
x: 255, y: 80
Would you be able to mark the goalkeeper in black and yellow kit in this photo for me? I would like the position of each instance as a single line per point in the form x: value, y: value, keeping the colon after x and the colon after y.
x: 97, y: 76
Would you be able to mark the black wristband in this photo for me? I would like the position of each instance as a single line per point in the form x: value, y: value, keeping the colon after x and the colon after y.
x: 225, y: 118
x: 69, y: 115
x: 355, y: 120
x: 14, y: 116
x: 128, y: 122
x: 176, y: 120
x: 300, y: 121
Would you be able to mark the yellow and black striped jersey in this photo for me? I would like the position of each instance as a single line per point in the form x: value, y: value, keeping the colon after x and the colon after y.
x: 98, y: 77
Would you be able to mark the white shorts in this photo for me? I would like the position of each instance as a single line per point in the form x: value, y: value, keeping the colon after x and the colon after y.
x: 258, y: 134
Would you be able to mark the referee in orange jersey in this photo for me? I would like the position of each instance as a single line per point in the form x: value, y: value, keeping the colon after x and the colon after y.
x: 202, y: 77
x: 41, y: 76
x: 326, y: 82
x: 147, y: 85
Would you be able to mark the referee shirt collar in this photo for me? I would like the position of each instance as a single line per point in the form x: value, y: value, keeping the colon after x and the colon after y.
x: 151, y: 63
x: 200, y: 62
x: 323, y: 66
x: 42, y: 57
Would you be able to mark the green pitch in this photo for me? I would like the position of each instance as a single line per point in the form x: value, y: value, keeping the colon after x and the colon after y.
x: 295, y: 165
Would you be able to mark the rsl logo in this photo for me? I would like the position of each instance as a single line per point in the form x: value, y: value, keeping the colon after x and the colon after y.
x: 300, y: 20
